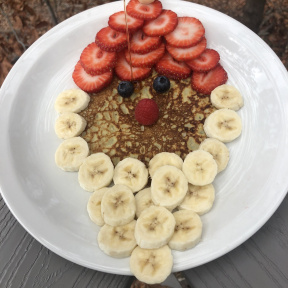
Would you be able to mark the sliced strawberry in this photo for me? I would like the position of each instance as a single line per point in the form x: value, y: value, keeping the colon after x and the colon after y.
x: 206, y: 82
x: 142, y: 44
x: 171, y: 68
x: 123, y: 70
x: 205, y: 62
x: 145, y: 60
x: 164, y: 24
x: 184, y: 54
x: 117, y: 22
x: 111, y: 40
x: 96, y: 61
x: 143, y: 11
x: 188, y: 32
x: 89, y: 83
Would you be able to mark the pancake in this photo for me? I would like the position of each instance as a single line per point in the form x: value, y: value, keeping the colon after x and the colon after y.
x: 112, y: 128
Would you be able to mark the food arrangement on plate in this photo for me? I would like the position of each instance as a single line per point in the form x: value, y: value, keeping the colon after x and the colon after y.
x: 156, y: 130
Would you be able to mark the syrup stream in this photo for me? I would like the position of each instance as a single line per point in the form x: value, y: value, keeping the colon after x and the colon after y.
x: 128, y: 40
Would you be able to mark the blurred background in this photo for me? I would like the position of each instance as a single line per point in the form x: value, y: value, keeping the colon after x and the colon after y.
x: 22, y: 22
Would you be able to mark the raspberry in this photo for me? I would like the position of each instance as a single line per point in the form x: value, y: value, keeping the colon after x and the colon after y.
x: 146, y: 112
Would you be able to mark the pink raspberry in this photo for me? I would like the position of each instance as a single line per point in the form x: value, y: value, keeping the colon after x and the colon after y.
x: 147, y: 112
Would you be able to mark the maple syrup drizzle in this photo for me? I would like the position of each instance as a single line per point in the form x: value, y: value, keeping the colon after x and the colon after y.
x: 128, y: 40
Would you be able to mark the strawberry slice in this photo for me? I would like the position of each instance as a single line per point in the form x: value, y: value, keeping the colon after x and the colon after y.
x: 111, y: 40
x: 143, y: 11
x: 117, y: 22
x: 205, y: 62
x: 89, y: 83
x: 142, y: 44
x: 145, y: 60
x: 206, y: 82
x: 164, y: 24
x: 96, y: 61
x: 123, y: 70
x: 184, y: 54
x: 188, y: 32
x: 171, y: 68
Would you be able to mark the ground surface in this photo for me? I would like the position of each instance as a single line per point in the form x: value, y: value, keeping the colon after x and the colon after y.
x: 23, y: 22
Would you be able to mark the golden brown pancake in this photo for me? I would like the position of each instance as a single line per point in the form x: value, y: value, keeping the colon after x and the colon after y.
x: 112, y: 128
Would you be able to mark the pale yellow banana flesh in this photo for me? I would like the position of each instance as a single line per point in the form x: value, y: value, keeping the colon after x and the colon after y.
x: 119, y: 241
x: 151, y: 266
x: 71, y: 100
x: 69, y: 125
x: 132, y: 173
x: 224, y: 125
x: 118, y: 205
x: 96, y: 172
x: 200, y: 168
x: 71, y: 153
x: 227, y: 96
x: 154, y: 227
x: 218, y: 150
x: 164, y: 158
x: 168, y: 187
x: 199, y: 199
x: 188, y: 230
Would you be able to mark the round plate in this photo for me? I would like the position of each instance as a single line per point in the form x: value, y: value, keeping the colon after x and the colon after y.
x: 49, y: 202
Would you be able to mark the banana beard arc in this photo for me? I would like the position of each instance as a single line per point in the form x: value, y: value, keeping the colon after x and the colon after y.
x: 144, y: 222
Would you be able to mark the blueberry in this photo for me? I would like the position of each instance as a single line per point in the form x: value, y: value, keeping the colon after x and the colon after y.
x: 161, y: 84
x: 125, y: 89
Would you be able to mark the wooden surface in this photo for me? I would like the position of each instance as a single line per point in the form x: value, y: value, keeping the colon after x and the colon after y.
x: 262, y: 261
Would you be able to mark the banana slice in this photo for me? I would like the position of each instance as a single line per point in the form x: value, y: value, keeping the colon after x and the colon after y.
x: 118, y: 205
x: 69, y: 125
x: 168, y: 187
x: 71, y: 153
x: 117, y: 242
x: 226, y: 96
x: 143, y: 200
x: 96, y: 172
x: 94, y: 206
x: 154, y: 227
x: 199, y: 199
x: 71, y: 100
x: 188, y: 230
x: 218, y: 150
x: 199, y: 168
x: 164, y: 158
x: 132, y: 173
x: 151, y: 266
x: 224, y: 125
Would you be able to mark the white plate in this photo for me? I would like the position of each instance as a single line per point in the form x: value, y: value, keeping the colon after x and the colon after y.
x: 49, y: 202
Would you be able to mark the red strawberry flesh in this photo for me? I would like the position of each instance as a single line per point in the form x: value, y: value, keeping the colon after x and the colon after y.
x: 111, y: 40
x: 171, y: 68
x: 117, y: 22
x: 185, y: 54
x: 142, y: 44
x: 205, y: 62
x: 145, y: 60
x: 164, y: 24
x: 123, y: 70
x: 206, y: 82
x: 96, y: 61
x: 188, y: 32
x: 89, y: 83
x: 143, y: 11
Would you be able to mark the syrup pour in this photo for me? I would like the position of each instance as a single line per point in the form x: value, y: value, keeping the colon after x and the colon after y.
x: 128, y: 40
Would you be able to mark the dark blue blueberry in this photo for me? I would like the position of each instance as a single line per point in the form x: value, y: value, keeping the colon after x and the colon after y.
x: 125, y: 89
x: 161, y: 84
